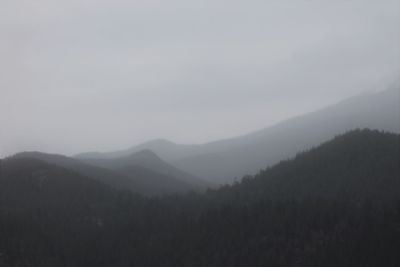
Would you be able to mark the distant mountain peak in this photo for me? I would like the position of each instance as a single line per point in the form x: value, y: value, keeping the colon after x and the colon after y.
x: 37, y: 155
x: 149, y: 145
x: 145, y: 154
x: 161, y: 141
x: 155, y: 143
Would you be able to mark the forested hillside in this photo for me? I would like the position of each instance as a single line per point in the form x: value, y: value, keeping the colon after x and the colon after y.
x: 142, y: 172
x: 293, y: 214
x: 355, y: 166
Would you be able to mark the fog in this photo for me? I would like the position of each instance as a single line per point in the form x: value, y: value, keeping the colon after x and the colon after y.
x: 103, y: 75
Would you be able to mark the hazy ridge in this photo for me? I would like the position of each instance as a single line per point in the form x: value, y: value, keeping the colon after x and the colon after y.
x: 222, y: 161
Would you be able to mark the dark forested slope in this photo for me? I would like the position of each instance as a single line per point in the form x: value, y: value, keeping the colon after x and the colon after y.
x: 358, y: 165
x: 139, y: 174
x: 48, y: 213
x: 336, y: 205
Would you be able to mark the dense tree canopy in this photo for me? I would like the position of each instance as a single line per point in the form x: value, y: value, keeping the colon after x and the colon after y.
x: 335, y: 205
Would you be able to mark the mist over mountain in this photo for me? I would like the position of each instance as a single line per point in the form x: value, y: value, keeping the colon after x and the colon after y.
x: 335, y: 205
x: 142, y: 172
x: 166, y: 149
x: 210, y: 133
x: 222, y: 161
x: 149, y: 160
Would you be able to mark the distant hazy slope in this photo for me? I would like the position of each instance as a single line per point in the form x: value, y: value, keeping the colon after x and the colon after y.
x: 247, y: 154
x: 165, y: 149
x: 133, y: 177
x: 148, y: 160
x: 222, y: 161
x: 96, y: 173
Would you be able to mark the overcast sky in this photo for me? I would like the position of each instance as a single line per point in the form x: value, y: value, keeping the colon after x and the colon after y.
x: 82, y: 75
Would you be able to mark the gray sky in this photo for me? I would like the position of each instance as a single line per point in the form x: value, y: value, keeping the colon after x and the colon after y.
x: 81, y: 75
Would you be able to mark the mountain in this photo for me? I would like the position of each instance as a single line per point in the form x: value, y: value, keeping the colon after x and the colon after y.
x: 28, y: 183
x: 133, y: 177
x: 355, y: 166
x: 147, y: 160
x: 100, y: 174
x: 167, y: 150
x: 51, y: 216
x: 335, y: 205
x: 222, y: 161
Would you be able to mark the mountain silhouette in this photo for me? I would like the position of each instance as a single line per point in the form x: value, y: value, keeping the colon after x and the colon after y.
x: 222, y: 161
x: 333, y: 205
x: 134, y: 177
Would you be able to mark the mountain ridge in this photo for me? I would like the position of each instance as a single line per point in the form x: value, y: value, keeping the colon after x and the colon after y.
x: 223, y: 160
x: 139, y: 179
x: 334, y: 205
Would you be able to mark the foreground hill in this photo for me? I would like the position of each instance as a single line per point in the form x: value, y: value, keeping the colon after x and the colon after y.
x: 30, y: 184
x: 222, y: 161
x: 133, y: 176
x: 335, y: 205
x: 353, y: 167
x: 48, y: 213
